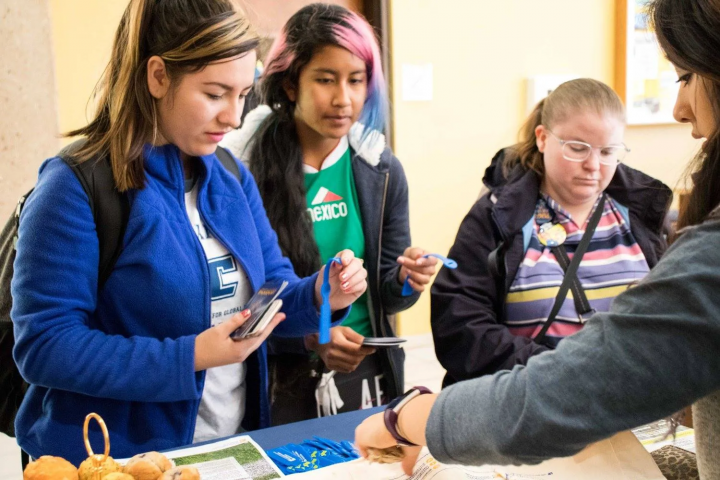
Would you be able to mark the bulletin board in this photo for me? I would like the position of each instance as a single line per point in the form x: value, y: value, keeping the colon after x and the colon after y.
x: 645, y: 79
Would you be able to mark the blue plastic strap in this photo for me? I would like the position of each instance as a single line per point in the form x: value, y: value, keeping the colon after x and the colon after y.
x: 312, y: 454
x: 282, y: 458
x: 407, y: 289
x: 325, y: 312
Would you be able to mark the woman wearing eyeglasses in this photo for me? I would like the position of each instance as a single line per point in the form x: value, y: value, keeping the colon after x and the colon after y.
x: 498, y: 308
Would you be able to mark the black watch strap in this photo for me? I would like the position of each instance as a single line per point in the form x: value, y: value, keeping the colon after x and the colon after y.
x: 392, y: 413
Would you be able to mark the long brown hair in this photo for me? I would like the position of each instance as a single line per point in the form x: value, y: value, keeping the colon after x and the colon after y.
x: 689, y: 33
x: 188, y: 35
x: 580, y: 95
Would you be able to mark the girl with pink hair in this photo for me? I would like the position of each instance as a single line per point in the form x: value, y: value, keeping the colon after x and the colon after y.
x: 327, y: 178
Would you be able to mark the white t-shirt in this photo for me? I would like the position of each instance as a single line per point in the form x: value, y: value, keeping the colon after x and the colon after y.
x: 222, y: 405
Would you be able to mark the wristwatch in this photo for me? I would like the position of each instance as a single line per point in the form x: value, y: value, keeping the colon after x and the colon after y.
x: 392, y: 412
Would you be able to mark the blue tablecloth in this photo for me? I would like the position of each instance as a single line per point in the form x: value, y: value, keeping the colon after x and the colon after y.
x: 337, y: 427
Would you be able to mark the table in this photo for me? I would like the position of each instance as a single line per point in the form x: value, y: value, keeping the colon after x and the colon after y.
x: 337, y: 427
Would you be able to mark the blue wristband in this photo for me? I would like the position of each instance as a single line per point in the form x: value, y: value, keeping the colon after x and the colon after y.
x: 448, y: 262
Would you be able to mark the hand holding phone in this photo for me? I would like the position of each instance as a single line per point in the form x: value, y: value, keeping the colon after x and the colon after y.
x: 260, y: 306
x: 270, y: 313
x: 214, y: 347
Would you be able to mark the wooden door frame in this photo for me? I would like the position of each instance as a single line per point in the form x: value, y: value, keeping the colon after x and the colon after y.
x: 377, y: 13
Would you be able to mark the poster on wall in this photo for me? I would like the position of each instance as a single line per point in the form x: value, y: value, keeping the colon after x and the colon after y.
x: 647, y: 80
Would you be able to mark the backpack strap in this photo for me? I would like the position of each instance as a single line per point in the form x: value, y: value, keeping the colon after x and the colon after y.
x: 228, y: 162
x: 111, y: 209
x: 582, y: 304
x: 498, y: 271
x: 571, y: 272
x: 496, y: 265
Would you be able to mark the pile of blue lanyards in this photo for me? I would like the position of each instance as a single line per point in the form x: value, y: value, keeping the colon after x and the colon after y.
x: 312, y: 454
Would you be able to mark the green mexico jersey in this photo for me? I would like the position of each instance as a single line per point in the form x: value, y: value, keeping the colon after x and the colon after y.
x: 333, y: 206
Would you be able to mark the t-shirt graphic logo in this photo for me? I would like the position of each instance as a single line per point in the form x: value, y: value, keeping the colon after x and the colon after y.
x: 218, y: 268
x: 325, y: 206
x: 325, y: 196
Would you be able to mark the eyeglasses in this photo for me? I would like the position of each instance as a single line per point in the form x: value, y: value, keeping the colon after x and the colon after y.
x: 575, y: 151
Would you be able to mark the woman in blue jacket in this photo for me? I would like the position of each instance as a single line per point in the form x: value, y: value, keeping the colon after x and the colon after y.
x: 328, y: 180
x: 150, y: 350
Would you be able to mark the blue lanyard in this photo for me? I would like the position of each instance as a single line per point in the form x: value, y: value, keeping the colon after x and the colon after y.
x: 325, y: 312
x: 407, y: 289
x: 312, y: 454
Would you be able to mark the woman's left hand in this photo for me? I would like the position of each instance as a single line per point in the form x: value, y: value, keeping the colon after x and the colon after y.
x: 418, y: 268
x: 371, y: 433
x: 347, y: 282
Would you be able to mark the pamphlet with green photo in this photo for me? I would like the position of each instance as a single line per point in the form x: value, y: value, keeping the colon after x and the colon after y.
x: 237, y: 458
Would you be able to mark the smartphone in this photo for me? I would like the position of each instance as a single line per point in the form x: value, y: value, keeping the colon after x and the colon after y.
x: 267, y: 317
x: 259, y: 304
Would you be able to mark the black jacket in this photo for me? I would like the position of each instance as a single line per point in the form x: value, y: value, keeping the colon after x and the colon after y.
x: 468, y: 303
x: 383, y: 196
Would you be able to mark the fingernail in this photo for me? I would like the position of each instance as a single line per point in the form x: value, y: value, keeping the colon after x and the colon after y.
x: 420, y: 262
x: 344, y: 276
x: 245, y: 313
x: 345, y: 285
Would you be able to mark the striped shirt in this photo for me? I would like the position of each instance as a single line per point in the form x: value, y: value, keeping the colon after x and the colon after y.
x: 612, y: 262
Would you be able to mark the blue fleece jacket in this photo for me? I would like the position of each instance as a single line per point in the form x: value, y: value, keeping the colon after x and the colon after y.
x: 127, y: 352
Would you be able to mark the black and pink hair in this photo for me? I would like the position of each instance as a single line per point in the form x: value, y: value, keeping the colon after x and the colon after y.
x: 314, y: 27
x: 275, y: 155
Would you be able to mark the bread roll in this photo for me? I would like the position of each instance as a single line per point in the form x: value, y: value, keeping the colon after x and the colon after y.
x: 87, y: 468
x: 118, y: 476
x: 147, y: 466
x: 50, y: 468
x: 181, y: 473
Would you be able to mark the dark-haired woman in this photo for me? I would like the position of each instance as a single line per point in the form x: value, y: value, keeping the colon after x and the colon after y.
x: 652, y: 354
x: 488, y: 314
x: 327, y: 179
x: 150, y: 350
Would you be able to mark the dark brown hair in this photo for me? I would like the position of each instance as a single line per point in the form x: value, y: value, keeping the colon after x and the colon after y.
x: 188, y: 35
x: 689, y: 33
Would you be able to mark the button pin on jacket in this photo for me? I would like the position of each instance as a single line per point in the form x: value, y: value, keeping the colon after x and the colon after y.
x: 552, y: 234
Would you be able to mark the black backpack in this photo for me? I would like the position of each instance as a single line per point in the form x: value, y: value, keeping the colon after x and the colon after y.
x: 110, y: 210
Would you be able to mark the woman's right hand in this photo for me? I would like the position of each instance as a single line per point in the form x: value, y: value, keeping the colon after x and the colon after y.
x: 215, y: 348
x: 344, y: 352
x: 372, y: 434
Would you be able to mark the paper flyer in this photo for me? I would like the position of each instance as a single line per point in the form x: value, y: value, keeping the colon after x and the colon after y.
x: 237, y: 458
